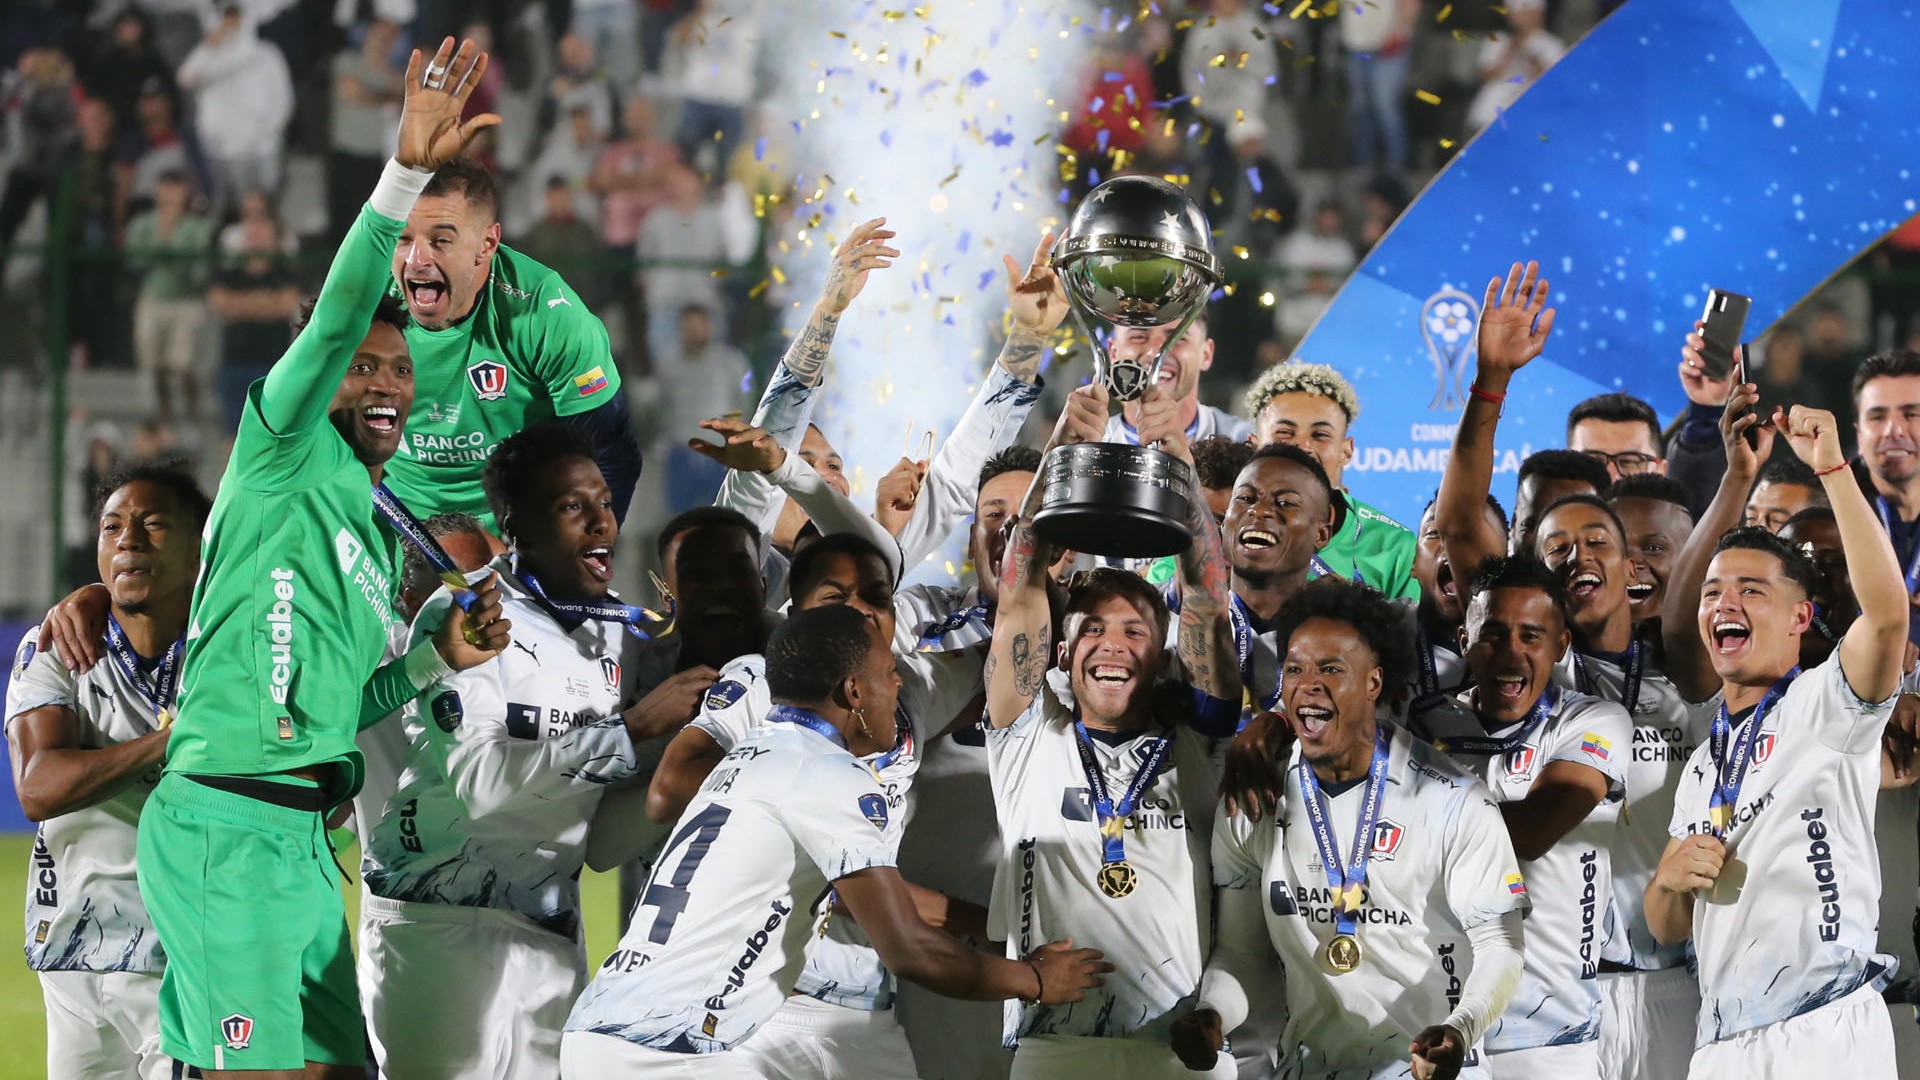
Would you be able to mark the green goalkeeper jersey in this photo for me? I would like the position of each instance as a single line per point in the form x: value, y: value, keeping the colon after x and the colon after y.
x: 1372, y: 548
x: 298, y: 573
x: 528, y: 352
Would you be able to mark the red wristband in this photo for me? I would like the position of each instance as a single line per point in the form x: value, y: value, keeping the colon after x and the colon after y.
x: 1483, y: 395
x: 1834, y: 469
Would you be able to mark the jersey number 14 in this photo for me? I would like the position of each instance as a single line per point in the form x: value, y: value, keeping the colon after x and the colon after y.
x: 670, y: 899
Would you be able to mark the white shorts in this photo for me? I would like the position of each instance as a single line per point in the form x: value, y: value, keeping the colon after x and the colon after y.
x: 1070, y: 1057
x: 1849, y: 1038
x: 809, y: 1039
x: 1647, y: 1022
x: 1573, y: 1061
x: 587, y: 1056
x: 459, y: 991
x: 104, y: 1025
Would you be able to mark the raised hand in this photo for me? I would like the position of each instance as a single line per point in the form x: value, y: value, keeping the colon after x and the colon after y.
x: 1700, y: 389
x: 1437, y: 1053
x: 479, y: 633
x: 1741, y: 421
x: 1514, y: 324
x: 431, y: 131
x: 743, y: 446
x: 1037, y: 299
x: 1813, y: 435
x: 863, y: 251
x: 896, y: 494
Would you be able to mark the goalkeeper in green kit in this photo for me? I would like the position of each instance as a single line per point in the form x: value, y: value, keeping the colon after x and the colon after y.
x: 290, y: 618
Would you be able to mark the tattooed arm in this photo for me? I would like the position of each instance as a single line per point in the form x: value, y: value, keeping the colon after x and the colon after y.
x: 863, y: 250
x: 1017, y: 662
x: 1207, y: 652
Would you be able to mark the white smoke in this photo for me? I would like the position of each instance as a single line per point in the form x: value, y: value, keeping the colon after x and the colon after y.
x: 943, y: 118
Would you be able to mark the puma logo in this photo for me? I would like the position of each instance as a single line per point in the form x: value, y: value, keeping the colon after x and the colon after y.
x: 528, y: 649
x: 556, y: 302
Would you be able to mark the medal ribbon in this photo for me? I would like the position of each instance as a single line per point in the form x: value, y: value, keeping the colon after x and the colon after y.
x: 1473, y: 744
x: 1730, y: 763
x: 401, y: 520
x: 902, y: 740
x: 1913, y: 561
x: 1113, y: 818
x: 1630, y: 688
x: 974, y: 618
x: 1243, y: 637
x: 1349, y: 883
x: 788, y: 714
x: 157, y: 691
x: 579, y: 611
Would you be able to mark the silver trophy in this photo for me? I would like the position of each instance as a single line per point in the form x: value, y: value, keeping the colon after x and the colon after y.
x: 1138, y: 253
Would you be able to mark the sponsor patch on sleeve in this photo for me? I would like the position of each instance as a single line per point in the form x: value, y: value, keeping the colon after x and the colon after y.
x: 23, y: 657
x: 447, y: 710
x: 590, y: 381
x: 874, y: 808
x: 723, y: 694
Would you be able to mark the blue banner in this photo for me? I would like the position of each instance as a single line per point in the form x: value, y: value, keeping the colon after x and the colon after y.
x: 1750, y: 145
x: 12, y: 818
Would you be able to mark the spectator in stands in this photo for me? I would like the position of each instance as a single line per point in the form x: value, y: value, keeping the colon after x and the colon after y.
x: 38, y: 97
x: 1117, y: 108
x: 699, y: 377
x: 560, y: 238
x: 98, y: 325
x: 1226, y: 65
x: 157, y: 144
x: 1509, y: 61
x: 255, y: 206
x: 687, y: 232
x: 243, y: 98
x: 569, y: 156
x: 579, y: 82
x: 1619, y: 431
x: 169, y: 243
x: 612, y: 28
x: 1833, y: 353
x: 715, y: 45
x: 254, y: 299
x: 631, y: 179
x: 122, y: 62
x: 1315, y: 259
x: 487, y: 98
x: 1380, y: 204
x: 366, y: 113
x: 1256, y: 203
x: 1377, y: 40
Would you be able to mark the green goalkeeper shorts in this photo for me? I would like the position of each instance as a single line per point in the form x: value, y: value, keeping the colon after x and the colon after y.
x: 245, y: 897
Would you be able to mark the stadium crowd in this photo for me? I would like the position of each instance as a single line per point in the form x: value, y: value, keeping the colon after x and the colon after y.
x: 1617, y: 781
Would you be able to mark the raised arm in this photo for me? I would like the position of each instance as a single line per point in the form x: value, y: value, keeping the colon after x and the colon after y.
x: 1688, y: 664
x: 1876, y: 643
x: 1514, y: 324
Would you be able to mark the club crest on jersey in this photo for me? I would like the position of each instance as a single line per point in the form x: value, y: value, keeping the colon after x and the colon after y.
x: 237, y: 1031
x: 447, y: 711
x: 724, y: 694
x: 1763, y: 747
x: 24, y: 657
x: 1520, y: 762
x: 1387, y: 834
x: 874, y: 807
x: 1076, y: 804
x: 489, y: 379
x: 610, y: 668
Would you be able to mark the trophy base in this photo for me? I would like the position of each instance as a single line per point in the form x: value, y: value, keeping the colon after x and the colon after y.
x: 1116, y: 500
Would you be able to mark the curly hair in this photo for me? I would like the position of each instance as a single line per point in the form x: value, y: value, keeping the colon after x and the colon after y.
x: 390, y: 310
x: 1300, y: 377
x: 1217, y: 460
x: 508, y: 478
x: 814, y: 651
x: 1380, y: 624
x: 186, y: 490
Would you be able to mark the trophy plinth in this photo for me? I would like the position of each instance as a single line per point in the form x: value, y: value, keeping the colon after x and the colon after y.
x: 1116, y: 500
x: 1138, y: 253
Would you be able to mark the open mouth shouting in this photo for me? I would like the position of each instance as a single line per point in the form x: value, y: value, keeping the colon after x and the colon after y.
x: 1312, y: 721
x: 1730, y: 636
x: 1583, y: 586
x: 381, y: 419
x: 599, y: 563
x: 1109, y: 676
x: 1257, y: 539
x: 1444, y: 581
x: 427, y: 295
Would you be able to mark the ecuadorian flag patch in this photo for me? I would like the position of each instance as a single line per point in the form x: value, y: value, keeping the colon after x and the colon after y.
x: 590, y: 381
x: 1516, y: 885
x: 1597, y: 745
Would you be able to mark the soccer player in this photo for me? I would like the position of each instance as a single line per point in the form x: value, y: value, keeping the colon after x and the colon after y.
x: 1312, y: 407
x: 840, y: 1020
x: 1441, y: 672
x: 1649, y: 992
x: 499, y: 342
x: 1771, y: 871
x: 87, y: 750
x: 1387, y: 887
x: 1546, y: 477
x: 718, y: 938
x: 290, y: 618
x: 1187, y: 358
x: 1785, y: 488
x: 1619, y: 431
x: 1121, y: 863
x: 1217, y: 461
x: 1556, y: 762
x: 1654, y: 510
x: 471, y: 953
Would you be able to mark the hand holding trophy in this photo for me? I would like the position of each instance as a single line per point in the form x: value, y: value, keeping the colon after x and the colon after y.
x: 1137, y: 253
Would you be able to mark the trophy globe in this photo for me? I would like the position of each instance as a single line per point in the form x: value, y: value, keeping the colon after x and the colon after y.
x: 1137, y: 253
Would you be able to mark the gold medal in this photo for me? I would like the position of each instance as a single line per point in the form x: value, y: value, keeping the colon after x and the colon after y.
x: 1117, y: 878
x: 1722, y: 817
x: 1343, y: 954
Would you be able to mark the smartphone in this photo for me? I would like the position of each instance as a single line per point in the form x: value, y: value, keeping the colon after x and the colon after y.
x: 1725, y: 319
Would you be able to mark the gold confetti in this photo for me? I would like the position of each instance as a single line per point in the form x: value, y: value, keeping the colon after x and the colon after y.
x: 1301, y: 10
x: 1241, y: 252
x: 720, y: 273
x: 779, y: 276
x: 1446, y: 144
x: 838, y: 34
x: 1266, y: 299
x: 755, y: 292
x: 1219, y: 60
x: 1445, y: 10
x: 1427, y: 96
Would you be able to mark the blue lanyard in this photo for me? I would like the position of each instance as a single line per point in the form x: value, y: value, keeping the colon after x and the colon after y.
x: 1113, y: 818
x: 975, y: 617
x: 1349, y: 883
x: 788, y: 714
x: 157, y: 691
x: 902, y: 740
x: 1913, y: 561
x: 1630, y: 686
x: 1430, y: 694
x: 578, y: 611
x: 1487, y: 744
x: 401, y: 520
x: 1243, y: 638
x: 1730, y: 763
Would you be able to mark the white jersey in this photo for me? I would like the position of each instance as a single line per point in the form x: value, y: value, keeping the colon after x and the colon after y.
x: 947, y: 630
x: 1558, y: 1000
x: 1666, y: 730
x: 1048, y: 883
x: 83, y: 902
x: 1791, y: 926
x: 842, y: 967
x: 385, y: 747
x: 493, y: 808
x: 718, y: 936
x: 1439, y: 864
